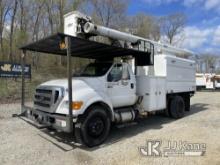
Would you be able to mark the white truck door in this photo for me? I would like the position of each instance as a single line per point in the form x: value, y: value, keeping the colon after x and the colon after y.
x: 121, y: 86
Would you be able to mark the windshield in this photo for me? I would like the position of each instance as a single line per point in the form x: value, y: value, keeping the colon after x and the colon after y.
x: 95, y: 69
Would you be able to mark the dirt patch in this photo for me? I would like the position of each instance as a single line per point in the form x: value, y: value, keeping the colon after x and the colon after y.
x: 22, y: 143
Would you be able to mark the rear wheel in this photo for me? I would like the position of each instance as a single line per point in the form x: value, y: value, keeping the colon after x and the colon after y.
x: 94, y: 127
x: 167, y: 110
x: 187, y: 102
x: 177, y: 107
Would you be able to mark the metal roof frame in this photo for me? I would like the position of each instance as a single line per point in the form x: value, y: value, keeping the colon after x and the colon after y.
x: 80, y: 48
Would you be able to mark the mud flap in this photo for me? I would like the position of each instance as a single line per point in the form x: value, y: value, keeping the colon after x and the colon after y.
x: 77, y: 133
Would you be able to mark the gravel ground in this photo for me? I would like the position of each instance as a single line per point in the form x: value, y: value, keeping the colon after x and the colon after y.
x: 21, y: 143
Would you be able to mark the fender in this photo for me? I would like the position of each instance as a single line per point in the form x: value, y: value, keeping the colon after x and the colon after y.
x: 100, y: 99
x: 89, y: 97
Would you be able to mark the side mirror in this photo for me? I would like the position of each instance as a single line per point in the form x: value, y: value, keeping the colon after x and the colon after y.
x: 124, y: 82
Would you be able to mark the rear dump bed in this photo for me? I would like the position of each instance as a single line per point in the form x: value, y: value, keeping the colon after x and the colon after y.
x: 169, y: 75
x: 179, y: 73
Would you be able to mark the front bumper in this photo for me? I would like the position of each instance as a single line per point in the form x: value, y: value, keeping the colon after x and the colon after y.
x: 56, y: 121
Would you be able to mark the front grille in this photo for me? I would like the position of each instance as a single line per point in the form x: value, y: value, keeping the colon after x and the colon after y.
x: 42, y: 104
x: 56, y: 96
x: 47, y: 98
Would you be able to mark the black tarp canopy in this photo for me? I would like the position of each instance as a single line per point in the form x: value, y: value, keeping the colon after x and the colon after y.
x: 82, y: 48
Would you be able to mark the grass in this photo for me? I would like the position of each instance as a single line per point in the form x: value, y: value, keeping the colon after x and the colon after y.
x: 10, y: 89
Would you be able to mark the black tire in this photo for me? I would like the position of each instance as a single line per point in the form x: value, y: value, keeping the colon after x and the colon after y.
x: 94, y: 126
x: 187, y: 102
x: 167, y: 110
x: 177, y: 107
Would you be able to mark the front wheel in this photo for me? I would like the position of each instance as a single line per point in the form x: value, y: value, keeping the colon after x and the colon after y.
x: 94, y: 126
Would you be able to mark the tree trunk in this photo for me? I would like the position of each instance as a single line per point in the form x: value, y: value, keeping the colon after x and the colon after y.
x: 4, y: 9
x: 50, y: 15
x: 12, y: 30
x: 35, y: 59
x: 61, y: 8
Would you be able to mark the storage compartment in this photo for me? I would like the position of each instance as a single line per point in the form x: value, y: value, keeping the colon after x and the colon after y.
x: 153, y: 90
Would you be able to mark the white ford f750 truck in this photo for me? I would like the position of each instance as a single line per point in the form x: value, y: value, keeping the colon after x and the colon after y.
x: 109, y: 91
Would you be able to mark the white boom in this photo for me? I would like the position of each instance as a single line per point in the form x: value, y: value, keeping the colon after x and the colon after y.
x: 78, y: 24
x: 115, y: 34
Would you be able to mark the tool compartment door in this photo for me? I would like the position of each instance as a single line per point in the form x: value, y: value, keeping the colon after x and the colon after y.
x: 161, y: 95
x: 153, y: 90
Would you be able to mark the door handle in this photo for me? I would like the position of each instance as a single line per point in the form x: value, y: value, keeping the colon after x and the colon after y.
x: 110, y: 86
x: 132, y: 85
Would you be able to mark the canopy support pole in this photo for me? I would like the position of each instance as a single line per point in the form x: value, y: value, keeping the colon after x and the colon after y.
x: 23, y: 59
x: 69, y: 75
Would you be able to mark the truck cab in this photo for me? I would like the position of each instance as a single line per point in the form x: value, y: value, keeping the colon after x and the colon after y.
x: 111, y: 83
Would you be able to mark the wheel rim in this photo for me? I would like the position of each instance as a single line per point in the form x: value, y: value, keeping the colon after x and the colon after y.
x: 95, y: 127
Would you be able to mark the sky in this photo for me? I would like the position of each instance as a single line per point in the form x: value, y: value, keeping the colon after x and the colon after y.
x: 202, y: 30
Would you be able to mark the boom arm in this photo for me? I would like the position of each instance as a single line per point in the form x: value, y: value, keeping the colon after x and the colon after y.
x: 78, y: 24
x: 91, y: 28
